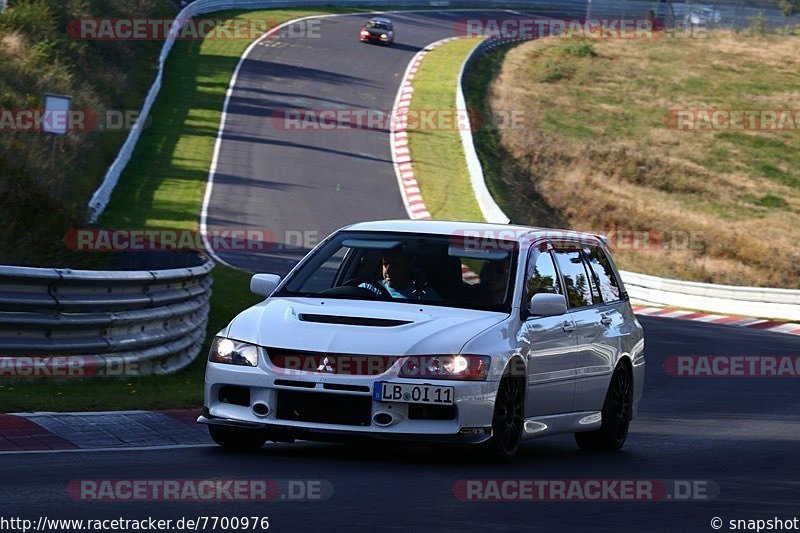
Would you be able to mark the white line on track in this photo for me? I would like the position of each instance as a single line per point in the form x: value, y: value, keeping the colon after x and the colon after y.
x: 112, y: 449
x: 221, y: 130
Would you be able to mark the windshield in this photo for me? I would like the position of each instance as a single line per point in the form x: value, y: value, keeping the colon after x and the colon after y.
x: 378, y: 25
x: 413, y: 268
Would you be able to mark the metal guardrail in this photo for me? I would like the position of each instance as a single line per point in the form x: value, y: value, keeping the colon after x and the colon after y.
x: 781, y: 304
x: 147, y: 321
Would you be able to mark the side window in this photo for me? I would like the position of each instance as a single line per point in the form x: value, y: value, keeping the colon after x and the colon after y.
x: 596, y: 298
x: 604, y: 274
x: 541, y: 275
x: 579, y: 292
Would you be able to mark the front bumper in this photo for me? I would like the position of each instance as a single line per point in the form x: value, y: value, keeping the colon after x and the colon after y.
x: 265, y: 384
x: 374, y: 39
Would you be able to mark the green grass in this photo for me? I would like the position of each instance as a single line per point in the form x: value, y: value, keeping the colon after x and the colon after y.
x: 618, y: 94
x: 438, y: 155
x: 439, y: 164
x: 486, y: 140
x: 163, y: 187
x: 768, y: 200
x: 164, y: 183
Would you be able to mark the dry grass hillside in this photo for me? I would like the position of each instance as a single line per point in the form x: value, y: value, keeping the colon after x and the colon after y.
x: 599, y: 152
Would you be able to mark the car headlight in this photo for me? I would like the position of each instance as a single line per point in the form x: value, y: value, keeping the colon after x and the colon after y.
x: 465, y: 367
x: 384, y: 36
x: 233, y: 352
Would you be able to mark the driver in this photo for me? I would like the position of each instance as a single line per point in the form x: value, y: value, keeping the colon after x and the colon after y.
x: 397, y: 279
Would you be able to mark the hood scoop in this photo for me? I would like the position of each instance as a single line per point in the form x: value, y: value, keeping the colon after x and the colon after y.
x: 353, y: 320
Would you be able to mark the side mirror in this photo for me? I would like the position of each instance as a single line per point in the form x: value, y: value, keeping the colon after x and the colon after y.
x: 264, y: 284
x: 544, y: 304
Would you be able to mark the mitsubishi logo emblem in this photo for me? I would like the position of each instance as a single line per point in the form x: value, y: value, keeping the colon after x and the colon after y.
x: 325, y: 366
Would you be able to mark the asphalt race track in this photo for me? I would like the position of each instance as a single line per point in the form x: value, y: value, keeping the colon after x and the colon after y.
x: 289, y: 181
x: 738, y: 434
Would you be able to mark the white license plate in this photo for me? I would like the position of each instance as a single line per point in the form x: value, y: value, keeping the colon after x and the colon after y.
x: 411, y: 393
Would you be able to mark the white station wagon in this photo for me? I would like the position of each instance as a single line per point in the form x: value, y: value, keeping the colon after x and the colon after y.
x: 433, y: 331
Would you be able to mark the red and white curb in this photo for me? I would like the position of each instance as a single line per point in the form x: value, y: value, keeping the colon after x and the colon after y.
x: 401, y: 155
x: 74, y: 432
x: 729, y: 320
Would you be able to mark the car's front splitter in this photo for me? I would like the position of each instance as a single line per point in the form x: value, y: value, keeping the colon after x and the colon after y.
x: 289, y: 434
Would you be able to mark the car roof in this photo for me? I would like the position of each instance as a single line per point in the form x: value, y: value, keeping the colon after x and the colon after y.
x: 379, y: 19
x: 510, y: 232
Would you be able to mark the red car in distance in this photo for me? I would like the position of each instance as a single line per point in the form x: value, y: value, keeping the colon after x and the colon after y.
x: 377, y: 30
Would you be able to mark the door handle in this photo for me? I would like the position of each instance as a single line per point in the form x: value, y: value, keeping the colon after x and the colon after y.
x: 606, y: 321
x: 568, y: 327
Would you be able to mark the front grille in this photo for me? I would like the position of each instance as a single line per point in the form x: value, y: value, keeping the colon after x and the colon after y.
x: 323, y: 408
x: 349, y: 388
x: 292, y: 383
x: 325, y: 363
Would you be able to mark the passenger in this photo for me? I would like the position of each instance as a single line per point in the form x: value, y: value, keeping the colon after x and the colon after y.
x: 494, y: 280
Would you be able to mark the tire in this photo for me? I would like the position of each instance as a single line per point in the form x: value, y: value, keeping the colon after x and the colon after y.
x: 617, y: 411
x: 240, y: 439
x: 508, y: 419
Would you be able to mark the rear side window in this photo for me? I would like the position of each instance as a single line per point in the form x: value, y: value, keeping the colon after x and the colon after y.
x: 604, y: 274
x: 576, y: 279
x: 542, y: 276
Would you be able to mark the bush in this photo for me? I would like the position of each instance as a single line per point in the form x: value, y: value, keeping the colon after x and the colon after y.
x: 34, y: 19
x: 37, y: 57
x: 580, y: 48
x: 554, y: 70
x: 772, y: 201
x: 758, y: 24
